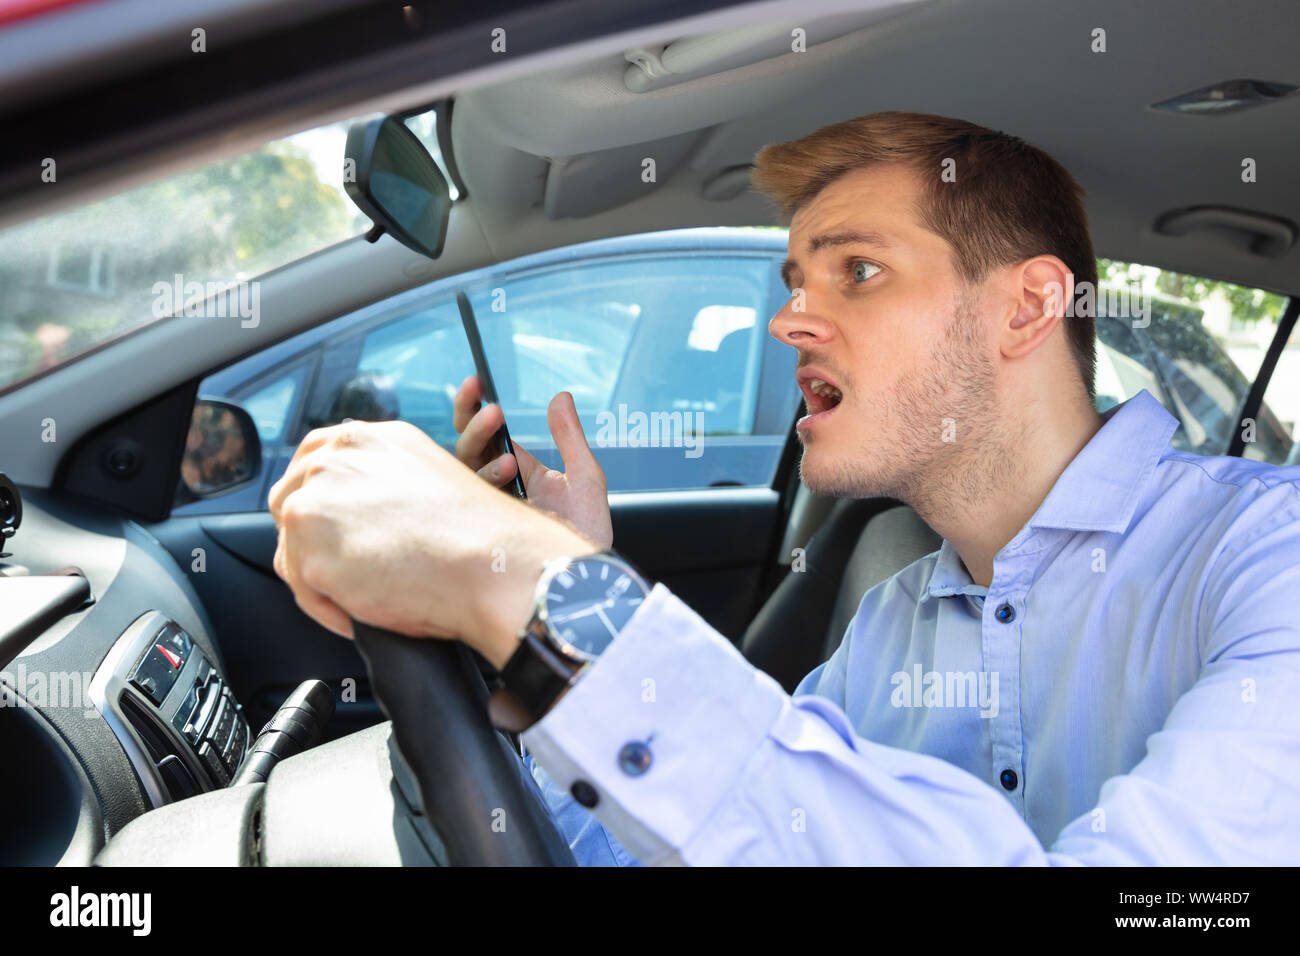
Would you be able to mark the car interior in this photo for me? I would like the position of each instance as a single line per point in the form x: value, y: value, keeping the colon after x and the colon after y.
x: 177, y: 622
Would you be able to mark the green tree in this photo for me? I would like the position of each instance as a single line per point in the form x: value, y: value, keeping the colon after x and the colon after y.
x: 1248, y: 304
x: 226, y: 221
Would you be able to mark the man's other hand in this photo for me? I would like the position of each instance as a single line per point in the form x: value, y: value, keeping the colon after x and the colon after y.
x: 578, y: 494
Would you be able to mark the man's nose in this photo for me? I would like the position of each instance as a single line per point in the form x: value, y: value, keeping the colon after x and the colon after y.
x: 799, y: 324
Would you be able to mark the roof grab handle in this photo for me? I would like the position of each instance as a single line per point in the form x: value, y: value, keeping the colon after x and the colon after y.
x: 1262, y: 235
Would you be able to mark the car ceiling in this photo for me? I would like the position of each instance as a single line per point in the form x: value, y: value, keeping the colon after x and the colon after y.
x: 1021, y: 66
x: 550, y: 149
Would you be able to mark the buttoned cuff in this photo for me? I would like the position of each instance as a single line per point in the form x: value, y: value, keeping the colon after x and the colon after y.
x: 655, y: 734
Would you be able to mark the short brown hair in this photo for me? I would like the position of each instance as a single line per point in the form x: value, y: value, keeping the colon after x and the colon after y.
x: 1010, y: 202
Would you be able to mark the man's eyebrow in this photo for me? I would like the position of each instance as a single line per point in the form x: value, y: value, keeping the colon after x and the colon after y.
x: 832, y: 239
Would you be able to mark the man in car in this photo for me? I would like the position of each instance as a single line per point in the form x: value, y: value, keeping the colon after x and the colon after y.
x: 1122, y: 614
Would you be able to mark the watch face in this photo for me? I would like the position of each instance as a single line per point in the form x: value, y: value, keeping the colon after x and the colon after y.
x: 589, y: 602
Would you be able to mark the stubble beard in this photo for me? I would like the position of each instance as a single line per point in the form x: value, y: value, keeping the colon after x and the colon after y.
x: 953, y: 397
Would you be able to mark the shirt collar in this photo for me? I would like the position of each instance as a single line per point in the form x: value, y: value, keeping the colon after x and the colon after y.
x: 1098, y: 491
x: 950, y: 577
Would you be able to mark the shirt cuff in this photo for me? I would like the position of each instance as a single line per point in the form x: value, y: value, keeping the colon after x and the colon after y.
x: 659, y: 729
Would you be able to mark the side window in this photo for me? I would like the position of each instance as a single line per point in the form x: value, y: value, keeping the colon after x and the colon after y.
x: 410, y: 369
x: 663, y: 356
x: 1279, y: 417
x: 271, y: 404
x: 1195, y: 344
x: 676, y: 381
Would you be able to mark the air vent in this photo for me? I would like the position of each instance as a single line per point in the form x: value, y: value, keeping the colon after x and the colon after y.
x: 154, y: 737
x: 176, y: 777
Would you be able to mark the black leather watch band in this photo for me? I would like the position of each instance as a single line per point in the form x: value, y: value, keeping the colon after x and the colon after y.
x: 534, y: 677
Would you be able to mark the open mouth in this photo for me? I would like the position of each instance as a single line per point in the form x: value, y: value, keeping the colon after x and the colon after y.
x: 821, y: 396
x: 824, y: 395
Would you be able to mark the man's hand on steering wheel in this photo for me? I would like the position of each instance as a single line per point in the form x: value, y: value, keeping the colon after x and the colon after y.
x: 578, y: 494
x: 378, y: 523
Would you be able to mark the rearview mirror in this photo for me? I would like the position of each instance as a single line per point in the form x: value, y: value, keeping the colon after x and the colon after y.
x: 393, y: 180
x: 222, y: 449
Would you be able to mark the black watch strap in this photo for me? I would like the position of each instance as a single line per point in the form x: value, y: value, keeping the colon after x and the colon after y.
x: 534, y: 677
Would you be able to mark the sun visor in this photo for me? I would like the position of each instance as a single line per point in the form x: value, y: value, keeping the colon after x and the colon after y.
x: 579, y: 186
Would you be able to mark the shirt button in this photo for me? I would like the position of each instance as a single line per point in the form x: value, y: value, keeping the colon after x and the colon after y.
x: 1009, y: 779
x: 1006, y: 614
x: 584, y: 793
x: 635, y: 758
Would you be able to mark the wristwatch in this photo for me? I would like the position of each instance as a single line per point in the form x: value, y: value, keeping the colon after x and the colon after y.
x: 579, y: 606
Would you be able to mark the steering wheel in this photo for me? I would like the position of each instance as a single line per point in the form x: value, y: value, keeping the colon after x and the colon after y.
x: 468, y: 774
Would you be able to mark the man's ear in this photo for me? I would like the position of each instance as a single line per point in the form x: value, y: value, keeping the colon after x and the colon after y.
x: 1042, y: 289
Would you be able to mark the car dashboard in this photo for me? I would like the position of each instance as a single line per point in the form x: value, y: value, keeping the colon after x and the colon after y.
x: 119, y: 705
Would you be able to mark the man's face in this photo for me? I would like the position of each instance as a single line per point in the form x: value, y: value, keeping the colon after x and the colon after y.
x: 898, y: 338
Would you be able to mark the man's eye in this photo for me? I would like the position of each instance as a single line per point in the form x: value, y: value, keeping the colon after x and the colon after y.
x: 862, y: 271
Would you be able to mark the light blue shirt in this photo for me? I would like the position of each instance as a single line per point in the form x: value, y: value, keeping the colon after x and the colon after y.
x: 1127, y: 691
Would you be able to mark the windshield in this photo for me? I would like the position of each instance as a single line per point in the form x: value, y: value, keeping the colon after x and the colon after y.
x: 71, y: 281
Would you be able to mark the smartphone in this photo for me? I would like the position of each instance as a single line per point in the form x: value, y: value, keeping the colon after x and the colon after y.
x: 501, y: 440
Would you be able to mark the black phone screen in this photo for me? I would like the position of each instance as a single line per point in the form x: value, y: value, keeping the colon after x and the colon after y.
x: 502, y: 438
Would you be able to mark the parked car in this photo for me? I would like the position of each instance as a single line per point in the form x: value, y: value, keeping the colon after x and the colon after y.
x: 1172, y: 355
